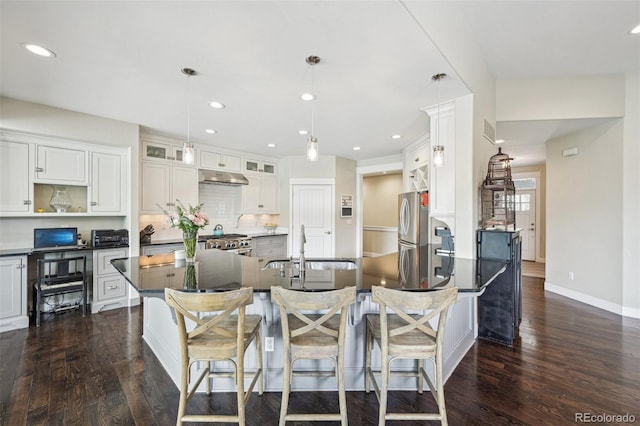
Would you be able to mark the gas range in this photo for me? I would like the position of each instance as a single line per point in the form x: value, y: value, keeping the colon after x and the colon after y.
x: 235, y: 243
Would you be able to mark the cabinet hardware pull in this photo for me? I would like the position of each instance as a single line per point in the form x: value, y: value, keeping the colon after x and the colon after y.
x: 221, y: 165
x: 327, y: 232
x: 170, y: 158
x: 27, y: 202
x: 112, y: 287
x: 260, y: 170
x: 93, y: 203
x: 260, y: 206
x: 39, y: 169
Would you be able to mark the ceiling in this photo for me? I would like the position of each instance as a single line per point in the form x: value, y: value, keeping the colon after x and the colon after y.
x: 122, y: 60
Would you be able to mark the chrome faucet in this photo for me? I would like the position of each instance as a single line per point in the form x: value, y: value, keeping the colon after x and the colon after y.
x: 303, y: 240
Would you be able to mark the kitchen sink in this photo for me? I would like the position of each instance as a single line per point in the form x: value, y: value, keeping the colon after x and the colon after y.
x: 314, y: 265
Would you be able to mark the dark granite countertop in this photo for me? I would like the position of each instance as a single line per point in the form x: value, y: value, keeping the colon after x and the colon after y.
x: 31, y: 251
x: 215, y: 270
x: 203, y: 238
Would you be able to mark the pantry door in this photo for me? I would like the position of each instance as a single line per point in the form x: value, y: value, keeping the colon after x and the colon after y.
x: 312, y: 206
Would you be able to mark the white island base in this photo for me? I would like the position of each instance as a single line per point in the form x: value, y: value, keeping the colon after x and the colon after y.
x: 161, y: 334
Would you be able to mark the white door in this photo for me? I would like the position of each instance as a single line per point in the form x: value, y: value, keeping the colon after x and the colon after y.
x: 106, y: 183
x: 312, y: 207
x: 526, y: 221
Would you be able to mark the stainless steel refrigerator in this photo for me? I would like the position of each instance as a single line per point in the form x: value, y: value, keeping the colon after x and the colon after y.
x: 414, y: 223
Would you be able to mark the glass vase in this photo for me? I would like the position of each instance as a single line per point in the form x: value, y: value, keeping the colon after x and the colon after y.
x: 190, y: 239
x: 190, y: 276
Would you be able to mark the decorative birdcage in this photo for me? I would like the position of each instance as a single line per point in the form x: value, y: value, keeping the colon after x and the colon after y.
x: 498, y: 194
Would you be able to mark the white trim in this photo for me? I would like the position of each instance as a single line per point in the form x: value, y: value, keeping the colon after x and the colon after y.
x: 536, y: 175
x: 380, y: 228
x: 312, y: 181
x: 593, y: 301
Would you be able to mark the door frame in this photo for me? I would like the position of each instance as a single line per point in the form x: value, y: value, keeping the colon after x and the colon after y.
x: 534, y: 175
x: 310, y: 181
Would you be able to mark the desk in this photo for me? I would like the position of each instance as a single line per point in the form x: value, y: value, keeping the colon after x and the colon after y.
x: 218, y: 270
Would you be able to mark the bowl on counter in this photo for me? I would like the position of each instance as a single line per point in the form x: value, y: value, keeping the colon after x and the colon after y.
x: 271, y: 229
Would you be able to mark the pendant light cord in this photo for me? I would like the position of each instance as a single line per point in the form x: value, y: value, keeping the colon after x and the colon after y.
x: 313, y: 100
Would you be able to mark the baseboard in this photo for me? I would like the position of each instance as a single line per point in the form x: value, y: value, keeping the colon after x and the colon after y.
x: 593, y: 301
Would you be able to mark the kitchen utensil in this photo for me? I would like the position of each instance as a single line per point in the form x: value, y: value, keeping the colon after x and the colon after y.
x: 145, y: 234
x: 218, y: 230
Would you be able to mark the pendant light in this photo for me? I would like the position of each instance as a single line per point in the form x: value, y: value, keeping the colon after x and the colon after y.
x: 187, y: 149
x: 438, y: 148
x: 312, y: 142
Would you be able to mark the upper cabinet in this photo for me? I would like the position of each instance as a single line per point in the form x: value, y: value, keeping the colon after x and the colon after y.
x: 416, y: 166
x: 161, y: 151
x: 162, y: 184
x: 16, y: 188
x: 259, y: 167
x: 443, y: 179
x: 218, y: 161
x: 60, y: 166
x: 32, y: 167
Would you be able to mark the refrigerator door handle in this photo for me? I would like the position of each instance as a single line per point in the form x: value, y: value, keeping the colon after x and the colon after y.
x: 404, y: 217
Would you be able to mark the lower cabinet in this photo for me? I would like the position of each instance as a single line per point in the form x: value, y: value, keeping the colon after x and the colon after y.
x: 13, y: 293
x: 500, y: 306
x: 110, y: 289
x: 269, y: 246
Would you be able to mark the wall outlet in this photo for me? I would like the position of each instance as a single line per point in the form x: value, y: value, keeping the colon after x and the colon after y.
x: 571, y: 276
x: 268, y: 344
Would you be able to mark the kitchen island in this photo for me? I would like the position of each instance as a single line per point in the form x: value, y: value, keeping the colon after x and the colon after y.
x: 419, y: 269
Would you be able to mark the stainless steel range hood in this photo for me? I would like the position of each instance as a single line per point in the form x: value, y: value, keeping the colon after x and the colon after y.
x: 221, y: 178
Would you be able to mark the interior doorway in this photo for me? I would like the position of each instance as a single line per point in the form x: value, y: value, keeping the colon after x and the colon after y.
x: 528, y: 214
x: 312, y: 206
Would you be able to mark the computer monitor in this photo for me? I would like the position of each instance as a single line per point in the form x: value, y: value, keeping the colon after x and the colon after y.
x: 55, y: 237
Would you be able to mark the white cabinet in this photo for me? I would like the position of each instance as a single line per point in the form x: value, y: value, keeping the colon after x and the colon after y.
x: 61, y: 166
x: 259, y: 166
x: 16, y: 187
x: 110, y: 289
x: 162, y: 152
x: 218, y: 161
x: 443, y: 179
x: 13, y: 293
x: 161, y: 249
x: 162, y: 184
x: 107, y: 183
x: 416, y: 166
x: 261, y: 195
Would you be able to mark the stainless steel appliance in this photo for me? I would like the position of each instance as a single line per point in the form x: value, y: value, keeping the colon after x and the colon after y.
x: 414, y: 222
x: 234, y: 243
x: 109, y: 238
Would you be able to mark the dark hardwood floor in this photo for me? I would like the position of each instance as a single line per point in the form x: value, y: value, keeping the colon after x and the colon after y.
x: 571, y: 358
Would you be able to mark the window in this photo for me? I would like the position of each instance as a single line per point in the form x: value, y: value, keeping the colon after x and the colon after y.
x: 523, y: 202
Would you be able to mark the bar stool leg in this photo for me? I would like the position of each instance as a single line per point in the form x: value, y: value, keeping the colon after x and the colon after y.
x: 286, y: 381
x: 384, y: 377
x: 367, y: 364
x: 342, y: 395
x: 184, y: 380
x: 419, y: 376
x: 240, y: 389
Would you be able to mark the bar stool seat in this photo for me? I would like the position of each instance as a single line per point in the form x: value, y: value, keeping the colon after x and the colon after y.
x: 403, y: 334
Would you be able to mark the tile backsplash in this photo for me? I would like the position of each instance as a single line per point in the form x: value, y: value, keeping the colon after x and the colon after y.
x: 223, y: 205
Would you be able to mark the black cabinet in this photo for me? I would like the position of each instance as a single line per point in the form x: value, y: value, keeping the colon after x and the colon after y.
x: 500, y: 306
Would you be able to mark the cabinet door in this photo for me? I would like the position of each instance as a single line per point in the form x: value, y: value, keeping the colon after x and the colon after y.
x: 106, y: 183
x: 268, y: 194
x: 231, y: 163
x: 155, y: 187
x: 104, y: 258
x: 61, y: 165
x: 15, y: 186
x: 251, y: 195
x: 184, y: 185
x: 12, y: 288
x: 210, y: 160
x: 156, y: 151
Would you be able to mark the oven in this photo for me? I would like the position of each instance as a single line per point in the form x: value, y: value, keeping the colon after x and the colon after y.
x: 233, y: 243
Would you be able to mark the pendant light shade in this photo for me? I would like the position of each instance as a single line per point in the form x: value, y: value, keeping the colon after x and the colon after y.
x: 312, y: 149
x: 312, y: 142
x: 438, y: 156
x: 188, y: 155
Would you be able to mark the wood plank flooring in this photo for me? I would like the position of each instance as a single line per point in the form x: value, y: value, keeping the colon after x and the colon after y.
x: 571, y: 358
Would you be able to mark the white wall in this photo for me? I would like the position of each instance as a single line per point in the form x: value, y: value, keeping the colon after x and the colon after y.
x: 560, y: 98
x: 584, y: 215
x: 631, y: 198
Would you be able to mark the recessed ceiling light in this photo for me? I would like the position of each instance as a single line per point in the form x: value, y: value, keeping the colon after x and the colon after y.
x: 216, y: 105
x: 211, y: 131
x: 499, y: 140
x: 356, y: 148
x: 396, y: 137
x: 303, y: 132
x: 307, y: 97
x: 271, y: 145
x: 636, y: 30
x: 39, y: 50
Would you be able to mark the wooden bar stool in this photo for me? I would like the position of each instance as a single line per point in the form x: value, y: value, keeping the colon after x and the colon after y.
x: 313, y: 336
x: 402, y: 335
x: 219, y: 337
